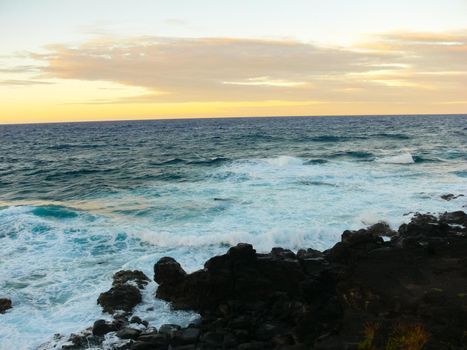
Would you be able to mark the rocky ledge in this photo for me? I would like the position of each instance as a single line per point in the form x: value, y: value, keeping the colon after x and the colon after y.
x: 376, y: 289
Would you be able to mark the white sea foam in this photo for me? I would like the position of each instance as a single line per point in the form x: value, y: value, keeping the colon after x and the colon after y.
x: 285, y: 161
x: 404, y: 158
x: 56, y: 262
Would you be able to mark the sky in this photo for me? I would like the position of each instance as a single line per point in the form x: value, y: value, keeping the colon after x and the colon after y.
x: 64, y: 60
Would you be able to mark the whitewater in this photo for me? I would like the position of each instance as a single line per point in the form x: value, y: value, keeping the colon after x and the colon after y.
x: 79, y: 202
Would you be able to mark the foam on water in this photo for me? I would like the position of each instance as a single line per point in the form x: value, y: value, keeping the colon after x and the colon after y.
x: 127, y: 205
x: 404, y: 158
x: 55, y: 266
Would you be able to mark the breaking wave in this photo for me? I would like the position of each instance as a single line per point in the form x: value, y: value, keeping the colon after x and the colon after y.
x: 404, y: 158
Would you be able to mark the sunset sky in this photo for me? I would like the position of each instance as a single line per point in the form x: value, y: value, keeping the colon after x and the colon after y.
x: 64, y: 60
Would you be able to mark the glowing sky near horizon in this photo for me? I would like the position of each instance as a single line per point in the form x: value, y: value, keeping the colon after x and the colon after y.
x: 105, y: 60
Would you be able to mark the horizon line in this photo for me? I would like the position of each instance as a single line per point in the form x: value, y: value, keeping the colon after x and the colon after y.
x: 240, y: 117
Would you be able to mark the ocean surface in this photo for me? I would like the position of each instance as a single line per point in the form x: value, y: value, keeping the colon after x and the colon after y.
x: 79, y: 202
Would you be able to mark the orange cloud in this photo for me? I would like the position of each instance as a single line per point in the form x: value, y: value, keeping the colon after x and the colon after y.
x: 228, y: 69
x: 392, y: 73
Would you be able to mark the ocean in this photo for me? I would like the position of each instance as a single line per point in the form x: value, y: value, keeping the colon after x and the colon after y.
x: 80, y: 201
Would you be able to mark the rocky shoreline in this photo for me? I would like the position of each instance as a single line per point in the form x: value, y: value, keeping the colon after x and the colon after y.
x: 376, y: 289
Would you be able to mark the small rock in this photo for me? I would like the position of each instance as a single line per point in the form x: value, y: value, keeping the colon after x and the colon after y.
x: 149, y: 331
x: 123, y: 297
x: 450, y: 196
x: 5, y: 304
x: 186, y: 336
x: 128, y: 333
x: 102, y: 327
x: 154, y: 339
x: 169, y: 329
x: 137, y: 320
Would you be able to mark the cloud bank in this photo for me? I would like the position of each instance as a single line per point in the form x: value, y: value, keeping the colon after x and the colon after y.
x: 390, y: 68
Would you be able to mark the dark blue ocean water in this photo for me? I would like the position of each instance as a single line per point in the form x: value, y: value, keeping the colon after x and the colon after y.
x: 80, y: 201
x: 59, y: 162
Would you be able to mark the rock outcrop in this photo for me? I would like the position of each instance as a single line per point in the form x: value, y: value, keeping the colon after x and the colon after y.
x: 376, y: 289
x: 364, y: 290
x: 125, y: 293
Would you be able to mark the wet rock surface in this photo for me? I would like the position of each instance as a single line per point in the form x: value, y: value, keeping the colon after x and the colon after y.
x: 125, y: 293
x: 368, y: 293
x: 327, y: 300
x: 5, y: 304
x: 450, y: 196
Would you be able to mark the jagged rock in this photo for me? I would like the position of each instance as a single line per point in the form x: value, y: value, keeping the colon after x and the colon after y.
x: 5, y: 304
x: 354, y: 245
x: 324, y: 300
x: 123, y: 295
x: 381, y: 229
x: 168, y: 271
x: 125, y: 276
x: 458, y: 218
x: 82, y: 341
x: 410, y: 286
x: 309, y: 254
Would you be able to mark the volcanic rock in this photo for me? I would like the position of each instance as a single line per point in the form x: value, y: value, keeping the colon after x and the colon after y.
x: 411, y: 286
x: 5, y: 304
x: 123, y: 295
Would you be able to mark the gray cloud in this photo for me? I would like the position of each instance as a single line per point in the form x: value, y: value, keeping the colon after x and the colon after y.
x: 393, y: 66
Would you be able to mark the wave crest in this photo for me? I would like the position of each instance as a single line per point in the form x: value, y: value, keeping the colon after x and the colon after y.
x: 404, y: 158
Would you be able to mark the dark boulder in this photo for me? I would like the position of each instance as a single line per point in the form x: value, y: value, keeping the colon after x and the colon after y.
x: 5, y: 304
x: 364, y: 293
x: 256, y: 299
x: 102, y: 327
x: 128, y: 333
x: 123, y: 295
x: 410, y: 286
x: 353, y: 246
x: 168, y: 271
x: 138, y: 320
x: 239, y: 274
